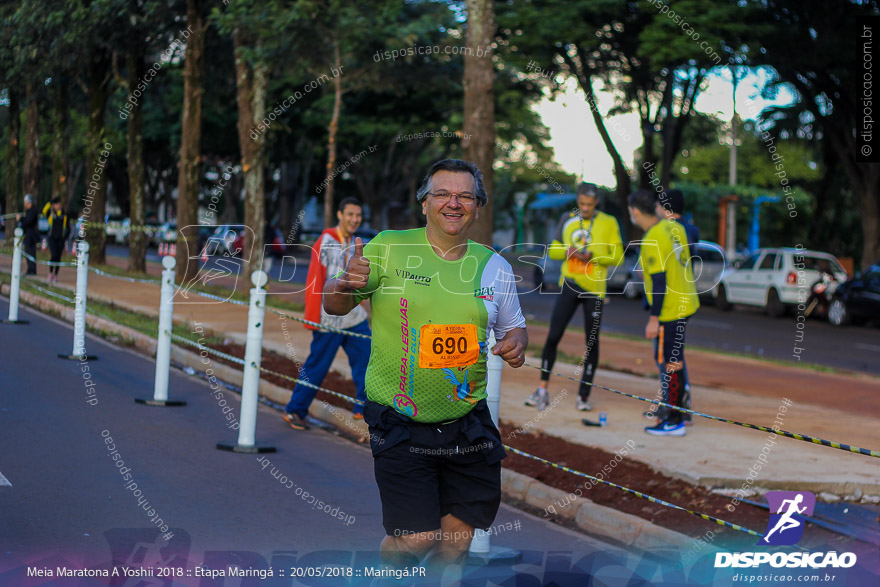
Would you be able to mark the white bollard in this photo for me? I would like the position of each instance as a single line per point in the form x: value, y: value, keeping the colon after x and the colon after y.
x: 480, y: 545
x: 79, y: 312
x: 163, y: 340
x: 481, y: 550
x: 250, y: 383
x: 15, y: 282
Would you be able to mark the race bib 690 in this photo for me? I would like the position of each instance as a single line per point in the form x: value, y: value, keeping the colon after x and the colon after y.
x: 448, y: 345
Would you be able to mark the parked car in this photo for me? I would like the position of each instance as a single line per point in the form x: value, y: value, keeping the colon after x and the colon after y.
x: 709, y: 263
x: 774, y: 278
x: 857, y: 300
x: 621, y: 278
x: 166, y: 233
x: 115, y: 228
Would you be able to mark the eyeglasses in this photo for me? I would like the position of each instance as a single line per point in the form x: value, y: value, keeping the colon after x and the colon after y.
x: 464, y: 198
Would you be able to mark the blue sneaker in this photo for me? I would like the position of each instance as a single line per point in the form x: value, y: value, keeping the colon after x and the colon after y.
x: 667, y: 428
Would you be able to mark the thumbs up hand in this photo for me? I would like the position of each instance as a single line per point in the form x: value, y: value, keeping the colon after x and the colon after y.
x: 357, y: 271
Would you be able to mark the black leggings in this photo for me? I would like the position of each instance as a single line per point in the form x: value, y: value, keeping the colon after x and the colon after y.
x: 567, y: 302
x: 56, y: 248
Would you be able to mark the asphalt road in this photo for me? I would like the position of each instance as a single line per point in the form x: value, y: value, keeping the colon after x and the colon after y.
x: 742, y: 330
x: 64, y: 501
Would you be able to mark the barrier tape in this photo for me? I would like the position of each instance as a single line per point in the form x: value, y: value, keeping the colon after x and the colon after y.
x: 802, y: 437
x: 220, y: 299
x: 30, y: 283
x: 321, y: 326
x: 312, y: 385
x: 49, y: 263
x: 202, y: 347
x: 706, y: 517
x: 511, y: 449
x: 787, y: 434
x: 124, y: 278
x: 149, y: 230
x: 290, y: 316
x: 239, y: 361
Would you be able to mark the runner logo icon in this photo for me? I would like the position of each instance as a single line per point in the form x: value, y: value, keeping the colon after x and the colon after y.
x: 783, y: 528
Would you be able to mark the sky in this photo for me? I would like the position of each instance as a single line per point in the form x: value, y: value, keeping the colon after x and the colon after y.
x: 579, y: 148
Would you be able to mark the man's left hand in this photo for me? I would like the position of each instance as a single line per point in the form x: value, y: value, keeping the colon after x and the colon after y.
x: 512, y: 351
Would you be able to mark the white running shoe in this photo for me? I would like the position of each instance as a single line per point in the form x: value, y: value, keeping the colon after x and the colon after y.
x: 532, y: 400
x: 543, y: 399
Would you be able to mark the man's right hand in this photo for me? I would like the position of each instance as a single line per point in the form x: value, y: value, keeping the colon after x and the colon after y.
x: 357, y: 271
x: 580, y: 254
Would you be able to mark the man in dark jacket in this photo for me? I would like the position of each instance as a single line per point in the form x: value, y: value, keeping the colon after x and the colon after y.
x: 59, y: 229
x: 31, y: 234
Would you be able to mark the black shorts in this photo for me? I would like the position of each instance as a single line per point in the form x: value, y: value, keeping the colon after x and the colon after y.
x: 426, y: 471
x: 669, y: 344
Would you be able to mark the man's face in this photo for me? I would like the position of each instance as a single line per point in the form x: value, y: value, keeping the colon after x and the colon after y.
x: 452, y: 217
x: 57, y: 207
x: 349, y: 219
x: 587, y: 205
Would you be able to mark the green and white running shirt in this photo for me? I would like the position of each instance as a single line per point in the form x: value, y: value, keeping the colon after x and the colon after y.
x: 431, y: 319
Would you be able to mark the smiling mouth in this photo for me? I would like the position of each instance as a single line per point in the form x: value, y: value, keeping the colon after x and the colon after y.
x: 453, y: 216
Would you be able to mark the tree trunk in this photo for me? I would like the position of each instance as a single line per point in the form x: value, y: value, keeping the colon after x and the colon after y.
x: 865, y: 181
x: 60, y: 142
x: 76, y: 172
x: 137, y: 238
x: 252, y: 81
x: 621, y: 174
x: 673, y: 128
x: 31, y: 175
x: 329, y: 216
x: 96, y: 176
x: 647, y: 152
x: 478, y: 144
x: 13, y: 183
x: 190, y: 139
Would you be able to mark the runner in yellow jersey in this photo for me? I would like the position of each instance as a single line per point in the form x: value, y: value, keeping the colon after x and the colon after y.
x: 664, y: 257
x: 589, y: 242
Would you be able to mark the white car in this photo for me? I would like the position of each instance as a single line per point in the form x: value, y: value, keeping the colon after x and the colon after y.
x: 774, y: 279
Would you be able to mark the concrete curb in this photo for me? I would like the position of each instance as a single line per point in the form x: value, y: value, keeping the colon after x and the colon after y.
x: 589, y: 516
x: 593, y: 518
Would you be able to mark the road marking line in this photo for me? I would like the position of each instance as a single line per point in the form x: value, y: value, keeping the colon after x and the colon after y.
x: 4, y: 482
x: 867, y: 347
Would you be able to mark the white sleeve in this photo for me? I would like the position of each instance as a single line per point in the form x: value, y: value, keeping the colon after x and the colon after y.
x: 510, y: 314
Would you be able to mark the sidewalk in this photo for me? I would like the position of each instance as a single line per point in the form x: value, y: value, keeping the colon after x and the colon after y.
x: 835, y: 407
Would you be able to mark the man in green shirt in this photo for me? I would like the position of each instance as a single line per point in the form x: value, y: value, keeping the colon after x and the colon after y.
x: 672, y: 298
x: 435, y: 298
x: 588, y: 241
